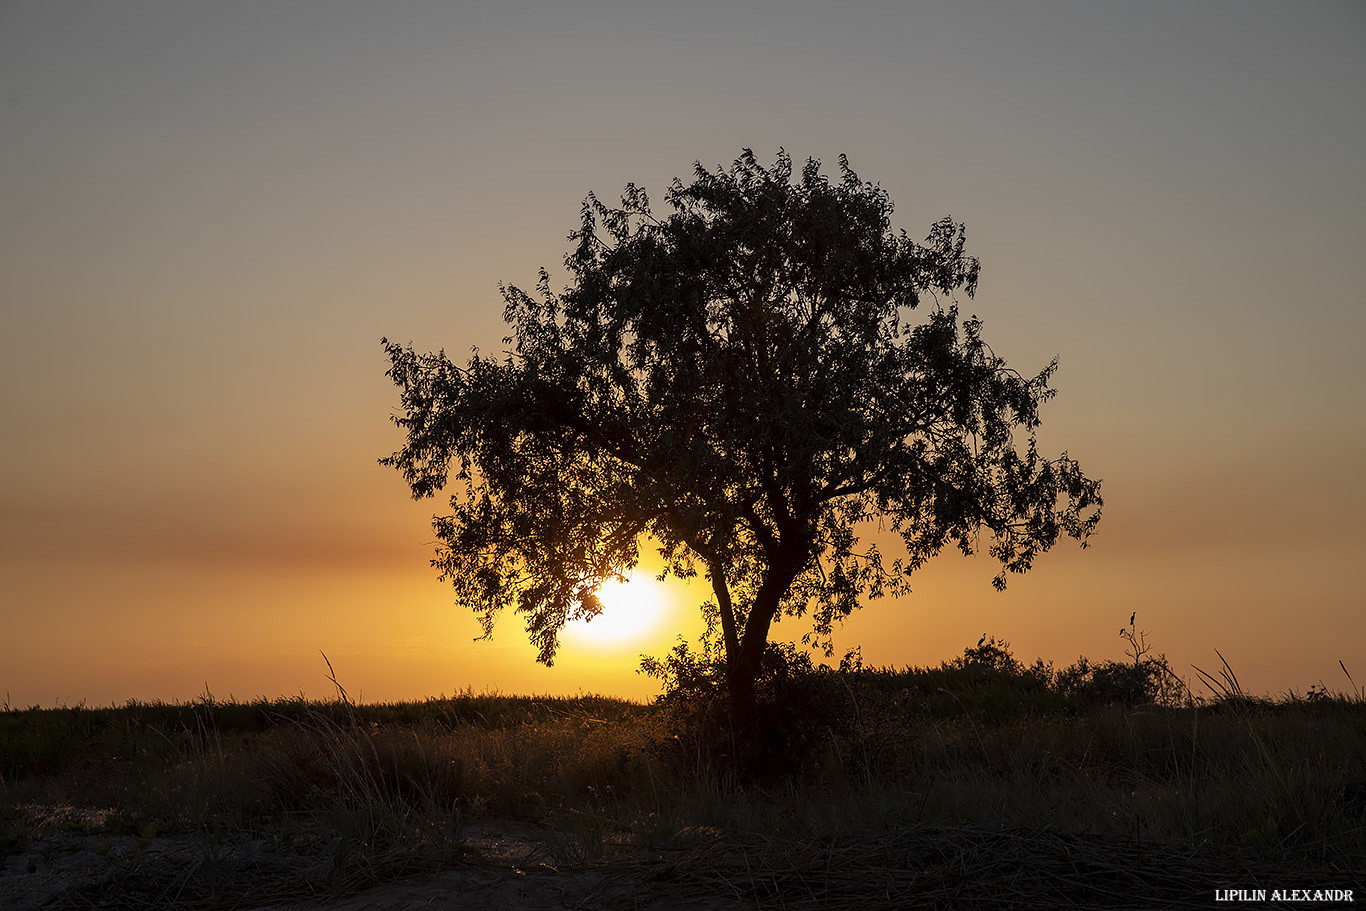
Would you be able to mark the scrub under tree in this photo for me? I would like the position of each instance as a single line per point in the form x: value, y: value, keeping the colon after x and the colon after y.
x: 737, y: 382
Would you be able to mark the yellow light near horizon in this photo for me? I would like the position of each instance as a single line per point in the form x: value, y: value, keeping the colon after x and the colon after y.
x: 631, y: 611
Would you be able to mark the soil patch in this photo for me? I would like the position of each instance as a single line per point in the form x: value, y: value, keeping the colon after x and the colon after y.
x: 511, y: 866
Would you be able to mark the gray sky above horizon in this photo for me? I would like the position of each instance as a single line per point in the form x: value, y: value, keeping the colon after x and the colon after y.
x: 210, y: 214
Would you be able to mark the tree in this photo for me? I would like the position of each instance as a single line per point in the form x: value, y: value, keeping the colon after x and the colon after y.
x: 737, y: 384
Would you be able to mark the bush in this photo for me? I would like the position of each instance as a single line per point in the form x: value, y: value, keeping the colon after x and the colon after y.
x: 800, y: 708
x: 988, y: 656
x: 1122, y: 683
x: 806, y: 712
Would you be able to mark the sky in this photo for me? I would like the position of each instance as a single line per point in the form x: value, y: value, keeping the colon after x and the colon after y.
x: 211, y: 213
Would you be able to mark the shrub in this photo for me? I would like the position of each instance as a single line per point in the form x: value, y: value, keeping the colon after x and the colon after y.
x: 989, y: 656
x: 1122, y: 683
x: 800, y: 708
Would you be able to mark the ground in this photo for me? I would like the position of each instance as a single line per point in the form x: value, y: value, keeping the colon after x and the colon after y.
x: 64, y: 866
x: 508, y: 866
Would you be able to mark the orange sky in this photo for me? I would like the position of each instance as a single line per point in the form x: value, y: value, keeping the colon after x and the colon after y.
x: 209, y: 215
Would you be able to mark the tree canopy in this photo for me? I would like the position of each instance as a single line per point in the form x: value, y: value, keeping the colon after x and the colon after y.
x: 738, y: 383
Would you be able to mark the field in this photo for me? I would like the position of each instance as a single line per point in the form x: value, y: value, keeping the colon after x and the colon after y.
x: 980, y: 783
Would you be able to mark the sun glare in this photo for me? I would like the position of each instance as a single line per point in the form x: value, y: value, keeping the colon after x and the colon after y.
x: 630, y: 612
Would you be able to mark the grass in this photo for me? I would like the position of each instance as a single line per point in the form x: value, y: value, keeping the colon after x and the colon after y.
x: 303, y: 798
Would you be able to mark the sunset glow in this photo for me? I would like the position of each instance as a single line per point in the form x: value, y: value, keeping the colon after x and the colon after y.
x: 632, y: 614
x: 210, y: 214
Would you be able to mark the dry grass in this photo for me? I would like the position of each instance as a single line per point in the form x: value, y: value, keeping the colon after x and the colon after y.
x: 1074, y: 806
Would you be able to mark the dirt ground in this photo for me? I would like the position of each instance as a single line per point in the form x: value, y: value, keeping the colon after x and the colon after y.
x: 512, y: 872
x: 603, y: 886
x: 509, y: 866
x: 484, y: 887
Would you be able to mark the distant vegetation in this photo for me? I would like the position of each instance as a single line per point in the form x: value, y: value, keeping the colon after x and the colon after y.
x: 340, y: 794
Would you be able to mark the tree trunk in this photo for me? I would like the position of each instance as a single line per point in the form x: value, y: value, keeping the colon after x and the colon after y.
x: 743, y: 666
x: 726, y: 609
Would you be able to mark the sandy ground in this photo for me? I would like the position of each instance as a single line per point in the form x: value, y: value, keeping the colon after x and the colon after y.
x: 512, y: 872
x: 605, y: 886
x: 484, y: 887
x: 510, y: 867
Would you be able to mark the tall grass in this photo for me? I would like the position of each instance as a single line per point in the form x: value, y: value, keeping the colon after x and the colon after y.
x: 351, y: 793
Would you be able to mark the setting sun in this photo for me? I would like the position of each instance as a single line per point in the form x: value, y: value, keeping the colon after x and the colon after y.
x: 630, y: 612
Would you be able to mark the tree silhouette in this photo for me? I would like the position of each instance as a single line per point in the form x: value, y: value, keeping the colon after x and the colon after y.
x: 737, y: 384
